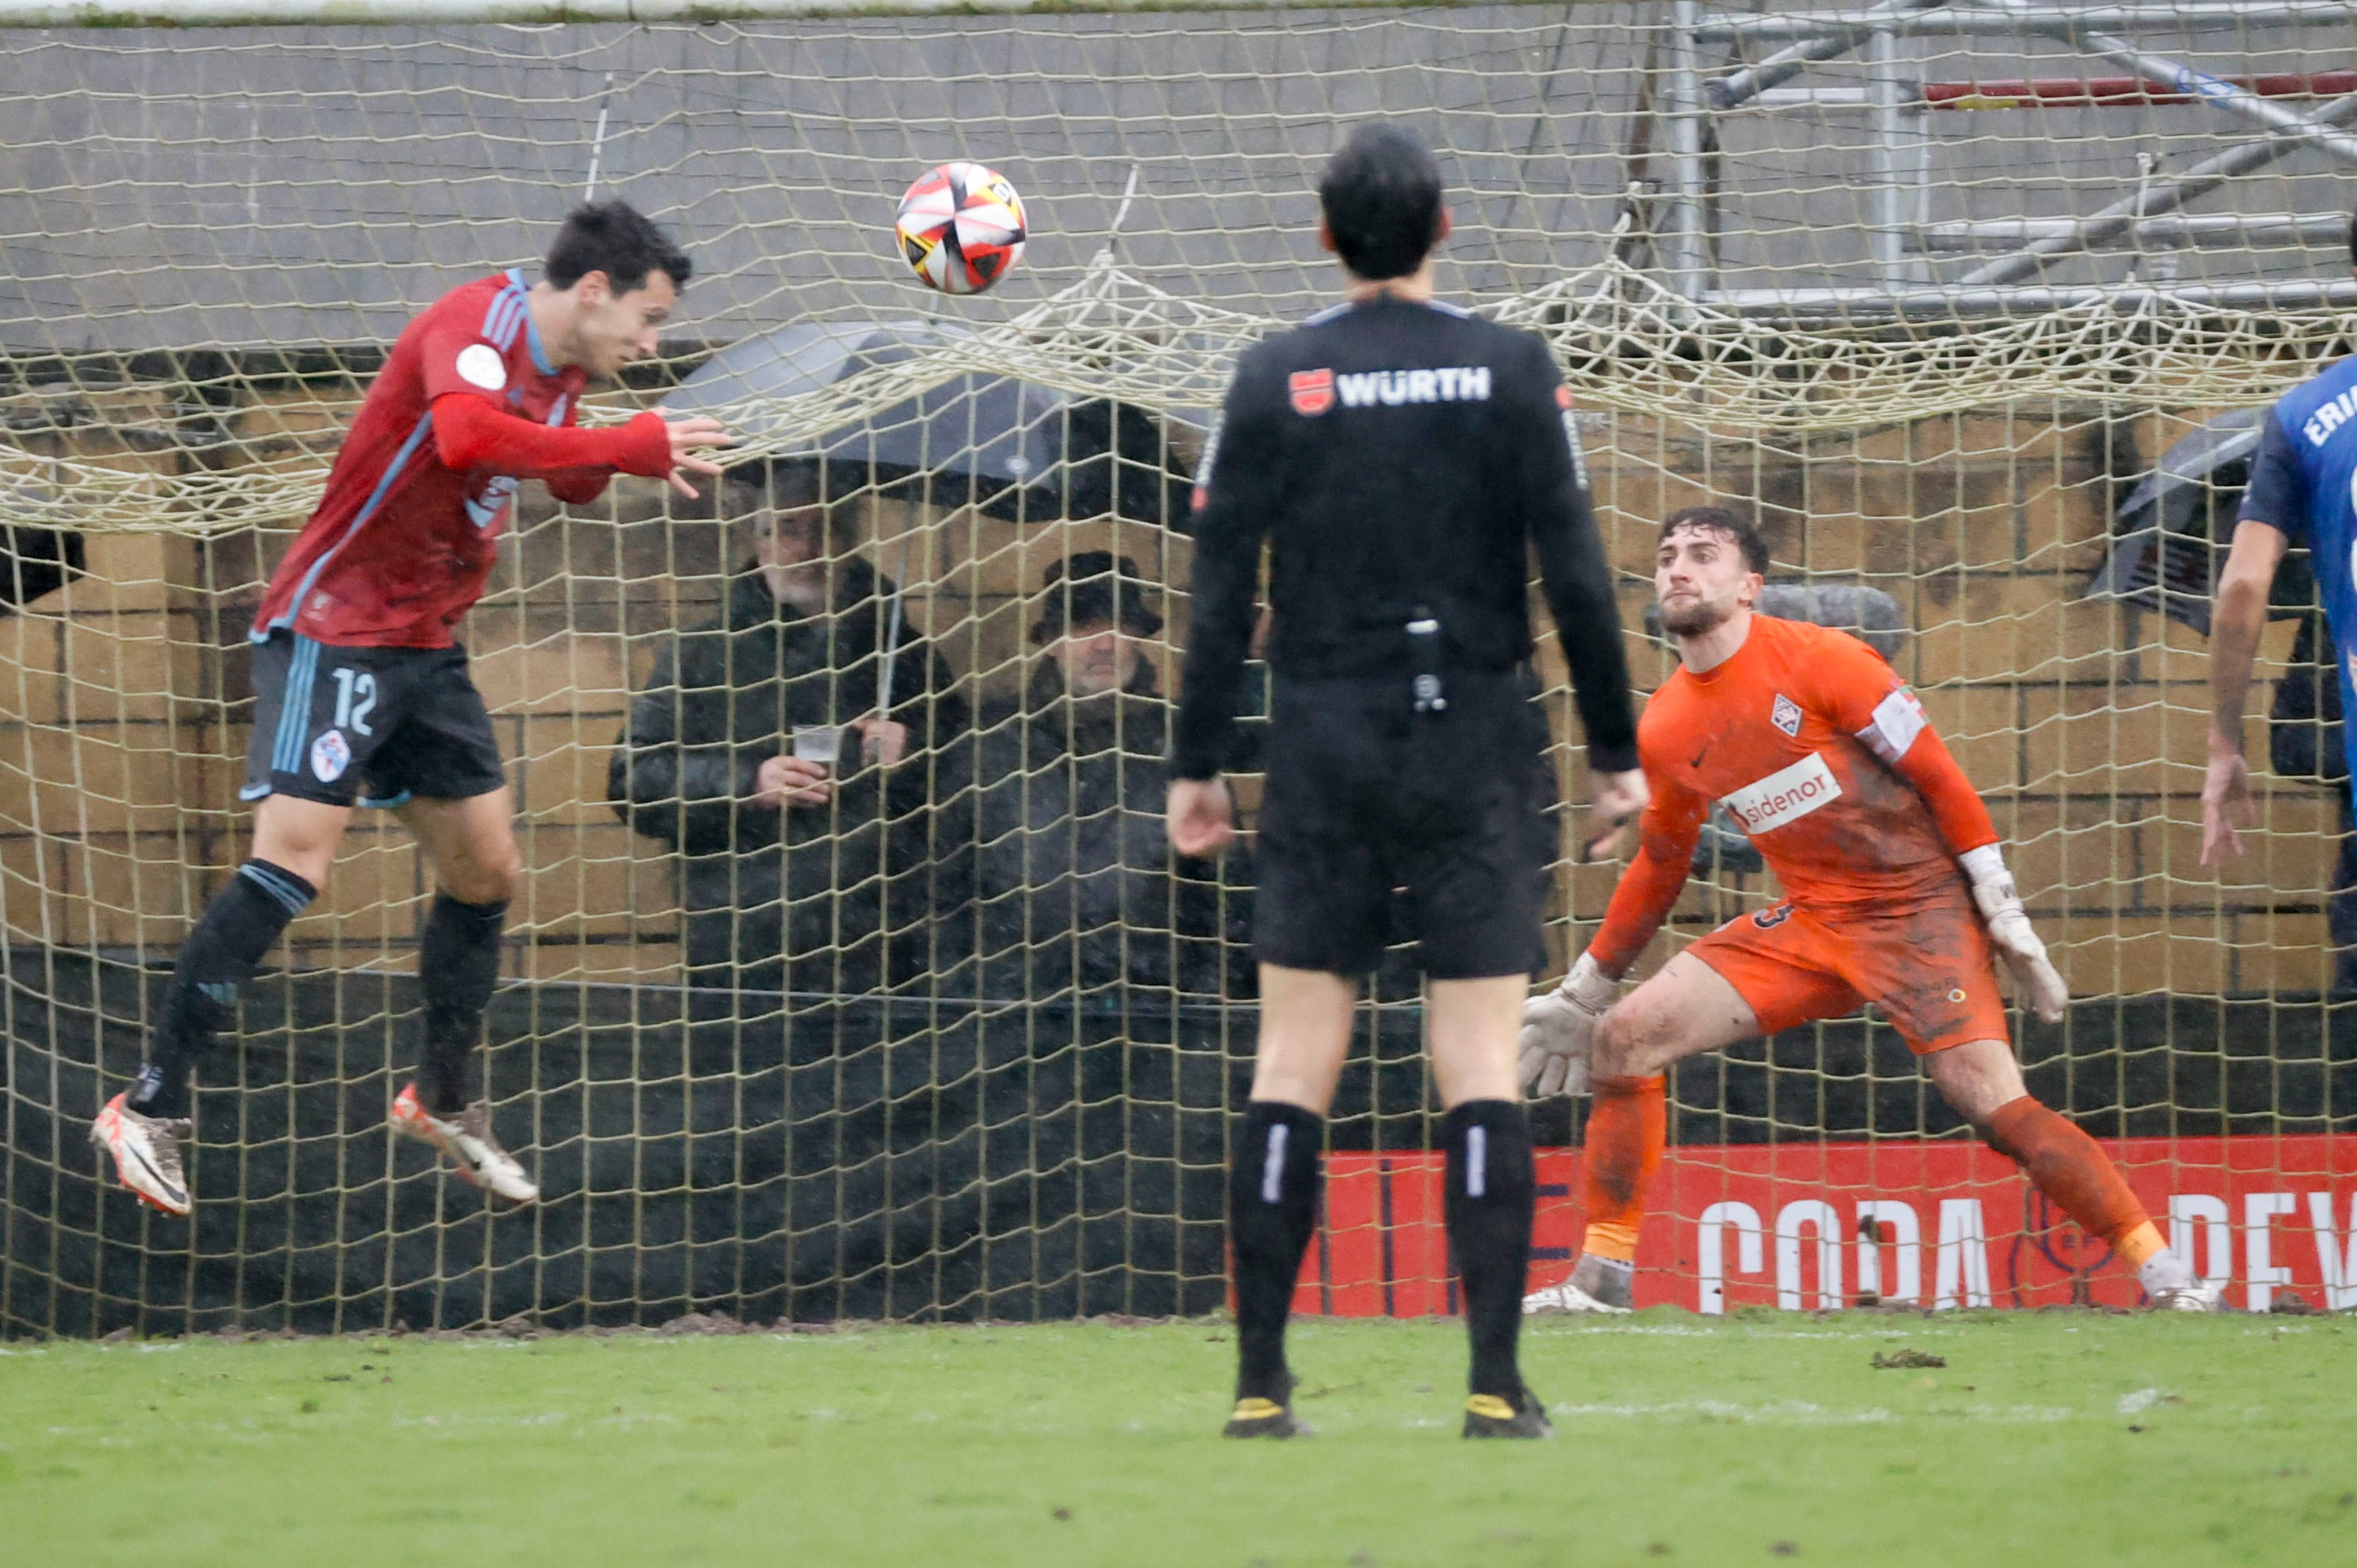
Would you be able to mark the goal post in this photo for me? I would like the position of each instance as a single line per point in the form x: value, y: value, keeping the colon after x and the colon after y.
x: 1955, y: 306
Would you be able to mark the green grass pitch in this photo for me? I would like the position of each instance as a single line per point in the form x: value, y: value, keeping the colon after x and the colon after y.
x: 2059, y: 1438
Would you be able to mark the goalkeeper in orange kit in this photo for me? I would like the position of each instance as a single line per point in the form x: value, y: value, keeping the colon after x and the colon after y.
x: 1896, y: 893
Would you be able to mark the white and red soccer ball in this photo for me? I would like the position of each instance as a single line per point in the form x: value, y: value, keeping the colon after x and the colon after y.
x: 962, y: 228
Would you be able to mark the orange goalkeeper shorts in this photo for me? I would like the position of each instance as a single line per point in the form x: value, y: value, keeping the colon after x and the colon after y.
x: 1925, y: 965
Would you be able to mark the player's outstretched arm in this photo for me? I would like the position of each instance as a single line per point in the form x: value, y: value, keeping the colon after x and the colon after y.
x: 1867, y: 698
x: 470, y: 432
x: 1559, y: 1027
x: 2236, y: 619
x: 1964, y: 822
x: 2011, y: 934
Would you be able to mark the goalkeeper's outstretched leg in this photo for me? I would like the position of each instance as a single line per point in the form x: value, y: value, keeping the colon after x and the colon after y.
x: 1690, y: 1007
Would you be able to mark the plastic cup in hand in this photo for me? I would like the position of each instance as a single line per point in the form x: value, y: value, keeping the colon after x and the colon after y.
x: 818, y: 743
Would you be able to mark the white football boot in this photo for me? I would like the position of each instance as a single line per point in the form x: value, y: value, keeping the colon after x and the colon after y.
x: 468, y: 1141
x: 2170, y: 1286
x: 146, y: 1151
x: 2192, y: 1298
x: 1594, y: 1285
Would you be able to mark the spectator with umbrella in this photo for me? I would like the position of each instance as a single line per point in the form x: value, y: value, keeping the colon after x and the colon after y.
x: 779, y: 749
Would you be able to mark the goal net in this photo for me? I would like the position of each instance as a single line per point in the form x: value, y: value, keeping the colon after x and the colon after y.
x: 1968, y: 306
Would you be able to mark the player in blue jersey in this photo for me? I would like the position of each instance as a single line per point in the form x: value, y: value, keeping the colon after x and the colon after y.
x: 2303, y: 491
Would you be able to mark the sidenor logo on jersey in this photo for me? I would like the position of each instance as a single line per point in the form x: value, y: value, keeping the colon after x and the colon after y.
x: 1784, y: 796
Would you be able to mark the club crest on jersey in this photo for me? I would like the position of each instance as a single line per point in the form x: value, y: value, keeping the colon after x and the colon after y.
x: 1786, y: 715
x: 330, y: 755
x: 1313, y: 392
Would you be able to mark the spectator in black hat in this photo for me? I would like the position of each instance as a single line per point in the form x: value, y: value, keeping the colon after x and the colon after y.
x: 1073, y: 884
x: 797, y: 872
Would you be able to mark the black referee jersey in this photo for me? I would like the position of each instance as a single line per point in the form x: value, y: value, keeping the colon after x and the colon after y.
x: 1404, y: 460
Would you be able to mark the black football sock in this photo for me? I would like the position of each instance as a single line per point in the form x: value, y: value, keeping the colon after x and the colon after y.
x: 243, y: 922
x: 1492, y: 1195
x: 1272, y: 1210
x: 457, y: 965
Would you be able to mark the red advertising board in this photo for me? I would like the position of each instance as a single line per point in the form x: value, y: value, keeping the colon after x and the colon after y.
x: 1943, y: 1223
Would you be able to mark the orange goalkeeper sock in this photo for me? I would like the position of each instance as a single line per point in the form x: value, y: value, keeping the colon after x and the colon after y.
x: 1628, y: 1123
x: 2065, y: 1165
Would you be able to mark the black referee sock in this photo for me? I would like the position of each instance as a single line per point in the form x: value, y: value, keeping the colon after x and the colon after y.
x: 243, y: 922
x: 457, y: 965
x: 1491, y: 1199
x: 1272, y: 1210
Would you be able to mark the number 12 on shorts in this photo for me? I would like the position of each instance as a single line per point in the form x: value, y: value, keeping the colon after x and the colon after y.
x: 355, y: 699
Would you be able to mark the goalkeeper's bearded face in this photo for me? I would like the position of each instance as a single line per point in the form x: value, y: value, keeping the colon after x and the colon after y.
x: 1701, y: 578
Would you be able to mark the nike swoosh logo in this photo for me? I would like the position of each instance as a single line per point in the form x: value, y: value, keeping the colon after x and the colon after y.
x: 1700, y: 754
x: 149, y: 1166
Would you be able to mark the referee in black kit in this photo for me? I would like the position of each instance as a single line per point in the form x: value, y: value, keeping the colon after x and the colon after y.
x: 1404, y: 460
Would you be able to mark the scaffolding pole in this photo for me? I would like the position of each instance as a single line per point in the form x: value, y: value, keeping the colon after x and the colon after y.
x: 2235, y: 229
x: 2152, y: 201
x: 1740, y: 87
x: 1952, y: 301
x: 2163, y: 72
x: 1687, y: 251
x: 1844, y: 28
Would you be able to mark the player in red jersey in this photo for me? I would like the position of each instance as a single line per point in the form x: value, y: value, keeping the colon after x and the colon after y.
x: 1895, y: 893
x: 363, y: 696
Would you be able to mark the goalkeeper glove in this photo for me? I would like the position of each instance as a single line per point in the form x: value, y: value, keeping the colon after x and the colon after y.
x: 1559, y: 1030
x: 2010, y: 933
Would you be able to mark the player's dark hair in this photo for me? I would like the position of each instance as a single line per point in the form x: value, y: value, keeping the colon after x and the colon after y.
x: 617, y: 238
x: 1724, y: 521
x: 1381, y: 198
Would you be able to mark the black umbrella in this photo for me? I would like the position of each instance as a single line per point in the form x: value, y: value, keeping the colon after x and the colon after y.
x: 1015, y: 449
x: 2169, y: 536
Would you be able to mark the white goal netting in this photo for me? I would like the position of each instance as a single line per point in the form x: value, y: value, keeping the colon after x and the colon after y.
x: 1932, y: 300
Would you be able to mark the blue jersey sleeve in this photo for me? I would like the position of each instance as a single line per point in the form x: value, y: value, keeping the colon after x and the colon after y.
x: 2277, y: 493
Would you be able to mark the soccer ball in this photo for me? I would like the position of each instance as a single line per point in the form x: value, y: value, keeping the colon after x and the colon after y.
x: 962, y: 228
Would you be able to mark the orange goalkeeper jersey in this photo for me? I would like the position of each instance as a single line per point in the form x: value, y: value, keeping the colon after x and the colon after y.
x: 1819, y: 752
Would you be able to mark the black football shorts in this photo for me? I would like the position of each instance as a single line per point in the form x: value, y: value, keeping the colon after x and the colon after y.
x: 367, y: 726
x: 1365, y: 795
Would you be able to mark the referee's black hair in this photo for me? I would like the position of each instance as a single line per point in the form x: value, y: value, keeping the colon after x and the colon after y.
x: 617, y: 238
x: 1726, y: 520
x: 1381, y: 198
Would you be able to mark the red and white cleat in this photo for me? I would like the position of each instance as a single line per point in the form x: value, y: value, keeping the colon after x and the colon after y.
x: 146, y: 1151
x: 467, y: 1138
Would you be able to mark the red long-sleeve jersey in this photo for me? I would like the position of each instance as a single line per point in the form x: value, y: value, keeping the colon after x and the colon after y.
x: 1822, y: 753
x: 467, y: 405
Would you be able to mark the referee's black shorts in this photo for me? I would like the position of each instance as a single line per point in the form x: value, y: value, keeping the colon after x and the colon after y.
x: 1365, y: 795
